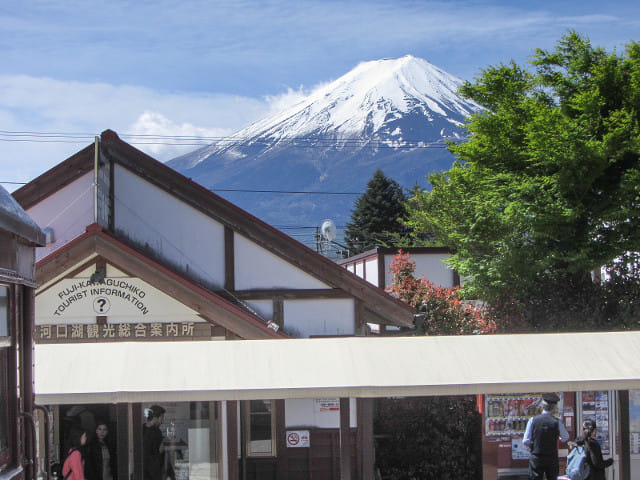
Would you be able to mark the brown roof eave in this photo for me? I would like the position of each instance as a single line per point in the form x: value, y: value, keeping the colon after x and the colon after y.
x: 55, y: 178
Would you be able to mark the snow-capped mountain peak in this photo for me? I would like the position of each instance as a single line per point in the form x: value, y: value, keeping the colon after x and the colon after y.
x: 361, y: 100
x: 391, y: 114
x: 360, y: 104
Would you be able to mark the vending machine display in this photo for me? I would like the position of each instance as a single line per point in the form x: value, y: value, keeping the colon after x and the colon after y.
x: 507, y: 415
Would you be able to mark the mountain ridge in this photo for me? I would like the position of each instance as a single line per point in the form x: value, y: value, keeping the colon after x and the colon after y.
x: 392, y: 114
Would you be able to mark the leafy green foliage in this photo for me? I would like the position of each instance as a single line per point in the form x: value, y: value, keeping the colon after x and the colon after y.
x: 547, y: 187
x: 377, y: 215
x: 613, y: 304
x: 428, y: 437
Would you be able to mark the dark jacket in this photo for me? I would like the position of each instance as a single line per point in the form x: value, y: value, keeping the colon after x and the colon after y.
x: 93, y: 465
x: 153, y: 458
x: 544, y: 436
x: 594, y: 458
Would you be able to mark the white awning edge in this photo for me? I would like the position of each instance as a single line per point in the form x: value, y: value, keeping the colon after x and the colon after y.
x: 340, y: 367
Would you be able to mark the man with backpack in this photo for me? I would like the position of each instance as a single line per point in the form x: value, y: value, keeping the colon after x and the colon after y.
x: 541, y: 438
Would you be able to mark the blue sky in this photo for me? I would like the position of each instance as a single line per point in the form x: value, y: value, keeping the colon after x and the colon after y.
x: 211, y: 67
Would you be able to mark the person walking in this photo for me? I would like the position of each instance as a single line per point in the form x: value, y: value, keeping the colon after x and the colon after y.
x: 541, y: 438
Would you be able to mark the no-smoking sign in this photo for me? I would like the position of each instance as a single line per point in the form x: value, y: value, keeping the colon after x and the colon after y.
x: 298, y: 438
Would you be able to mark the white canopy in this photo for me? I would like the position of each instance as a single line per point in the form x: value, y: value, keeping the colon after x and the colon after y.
x: 334, y: 367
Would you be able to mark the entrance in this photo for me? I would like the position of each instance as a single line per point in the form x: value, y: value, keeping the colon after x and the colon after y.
x: 191, y: 439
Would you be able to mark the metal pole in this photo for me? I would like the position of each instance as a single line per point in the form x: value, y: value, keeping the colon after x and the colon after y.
x: 47, y: 448
x: 96, y: 156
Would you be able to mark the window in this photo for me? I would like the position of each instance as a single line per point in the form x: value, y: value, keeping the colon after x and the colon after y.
x: 191, y: 434
x: 260, y: 428
x: 5, y: 402
x: 4, y: 312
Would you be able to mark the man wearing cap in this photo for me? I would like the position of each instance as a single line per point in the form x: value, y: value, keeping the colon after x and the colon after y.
x: 541, y: 438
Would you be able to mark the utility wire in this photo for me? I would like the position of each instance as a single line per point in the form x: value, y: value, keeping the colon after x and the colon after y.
x: 283, y: 191
x: 247, y: 190
x: 192, y: 140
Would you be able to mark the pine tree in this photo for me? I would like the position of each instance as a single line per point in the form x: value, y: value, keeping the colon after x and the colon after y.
x: 377, y: 214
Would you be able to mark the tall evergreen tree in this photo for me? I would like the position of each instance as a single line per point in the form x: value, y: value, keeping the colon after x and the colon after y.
x: 377, y: 214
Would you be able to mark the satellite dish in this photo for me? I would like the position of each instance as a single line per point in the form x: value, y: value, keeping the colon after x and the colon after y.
x: 328, y: 230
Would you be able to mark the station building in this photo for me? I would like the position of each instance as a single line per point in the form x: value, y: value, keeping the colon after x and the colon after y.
x: 138, y: 256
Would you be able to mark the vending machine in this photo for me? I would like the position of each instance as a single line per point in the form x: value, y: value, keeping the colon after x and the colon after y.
x: 505, y: 419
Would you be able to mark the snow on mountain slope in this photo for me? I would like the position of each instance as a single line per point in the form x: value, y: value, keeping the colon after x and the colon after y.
x: 392, y: 114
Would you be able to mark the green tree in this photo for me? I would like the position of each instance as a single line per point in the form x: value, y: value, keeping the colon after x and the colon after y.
x: 377, y: 215
x: 547, y: 187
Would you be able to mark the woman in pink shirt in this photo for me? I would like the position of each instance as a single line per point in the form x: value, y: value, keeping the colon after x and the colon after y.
x: 73, y: 468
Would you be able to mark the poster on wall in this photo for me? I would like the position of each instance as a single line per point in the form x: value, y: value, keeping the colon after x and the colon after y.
x: 322, y: 405
x: 595, y: 406
x: 634, y: 420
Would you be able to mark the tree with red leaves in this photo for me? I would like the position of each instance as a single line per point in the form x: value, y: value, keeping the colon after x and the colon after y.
x: 445, y: 312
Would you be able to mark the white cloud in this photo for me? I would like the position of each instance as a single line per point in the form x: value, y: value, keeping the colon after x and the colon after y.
x: 46, y: 105
x: 180, y: 137
x: 282, y: 101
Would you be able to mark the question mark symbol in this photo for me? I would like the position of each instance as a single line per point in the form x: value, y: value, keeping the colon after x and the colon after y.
x: 101, y: 305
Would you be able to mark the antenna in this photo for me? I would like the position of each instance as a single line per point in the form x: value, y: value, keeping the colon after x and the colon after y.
x: 325, y: 239
x: 328, y: 230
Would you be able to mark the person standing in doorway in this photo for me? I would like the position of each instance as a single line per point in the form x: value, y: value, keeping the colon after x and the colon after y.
x: 541, y: 438
x: 153, y: 450
x: 101, y: 458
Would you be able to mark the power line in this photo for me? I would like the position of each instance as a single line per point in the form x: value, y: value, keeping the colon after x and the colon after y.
x: 283, y: 191
x: 194, y: 140
x: 247, y: 190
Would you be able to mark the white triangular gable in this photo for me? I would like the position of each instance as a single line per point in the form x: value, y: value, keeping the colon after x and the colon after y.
x: 256, y: 267
x: 121, y: 298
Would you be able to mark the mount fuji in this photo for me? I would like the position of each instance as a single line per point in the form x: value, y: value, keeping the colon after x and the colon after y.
x: 391, y: 114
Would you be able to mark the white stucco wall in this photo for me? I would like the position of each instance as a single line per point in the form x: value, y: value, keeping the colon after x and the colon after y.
x: 431, y: 265
x: 171, y: 228
x: 319, y: 317
x: 256, y: 267
x: 68, y: 211
x: 313, y: 413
